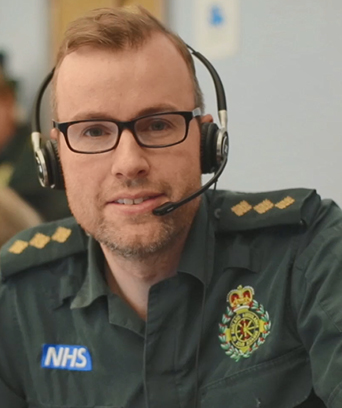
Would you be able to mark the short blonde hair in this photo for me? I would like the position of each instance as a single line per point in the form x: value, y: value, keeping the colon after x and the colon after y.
x: 118, y: 29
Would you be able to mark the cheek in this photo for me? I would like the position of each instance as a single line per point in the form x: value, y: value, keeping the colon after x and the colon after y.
x: 82, y: 173
x: 184, y: 168
x: 188, y: 155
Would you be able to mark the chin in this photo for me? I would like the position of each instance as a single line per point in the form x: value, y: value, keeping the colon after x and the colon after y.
x: 146, y: 237
x: 144, y: 242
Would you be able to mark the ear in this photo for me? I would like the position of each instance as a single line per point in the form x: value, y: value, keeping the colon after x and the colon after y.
x: 209, y: 135
x: 207, y: 118
x: 54, y: 134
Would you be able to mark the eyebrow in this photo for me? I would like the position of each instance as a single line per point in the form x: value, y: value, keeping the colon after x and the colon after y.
x: 96, y: 115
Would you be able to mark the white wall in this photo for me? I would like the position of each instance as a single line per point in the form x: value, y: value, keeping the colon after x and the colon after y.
x: 283, y: 86
x: 24, y: 28
x: 284, y: 93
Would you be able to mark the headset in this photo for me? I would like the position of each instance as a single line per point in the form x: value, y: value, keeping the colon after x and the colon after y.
x: 214, y: 143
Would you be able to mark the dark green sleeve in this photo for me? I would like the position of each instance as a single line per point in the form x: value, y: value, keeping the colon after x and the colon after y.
x: 12, y: 365
x: 317, y: 302
x: 9, y: 399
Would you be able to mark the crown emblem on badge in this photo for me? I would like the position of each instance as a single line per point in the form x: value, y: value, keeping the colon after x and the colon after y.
x: 245, y: 324
x: 240, y: 298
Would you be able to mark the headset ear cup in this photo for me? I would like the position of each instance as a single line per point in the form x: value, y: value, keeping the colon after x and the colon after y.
x: 209, y: 134
x: 56, y: 166
x: 53, y: 166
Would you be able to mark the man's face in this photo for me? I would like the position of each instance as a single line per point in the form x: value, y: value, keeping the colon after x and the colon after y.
x: 94, y: 83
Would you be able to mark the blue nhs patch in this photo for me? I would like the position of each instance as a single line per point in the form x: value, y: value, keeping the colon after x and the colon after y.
x: 66, y: 357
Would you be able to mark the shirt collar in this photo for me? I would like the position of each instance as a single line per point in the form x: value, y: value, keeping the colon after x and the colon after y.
x: 197, y: 258
x: 94, y: 284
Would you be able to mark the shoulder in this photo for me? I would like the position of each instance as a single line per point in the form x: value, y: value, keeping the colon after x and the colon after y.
x: 295, y: 222
x: 236, y: 211
x: 41, y: 245
x: 275, y: 229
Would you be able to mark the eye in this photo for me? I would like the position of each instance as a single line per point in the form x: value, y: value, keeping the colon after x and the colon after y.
x: 158, y: 125
x: 155, y: 125
x: 96, y: 131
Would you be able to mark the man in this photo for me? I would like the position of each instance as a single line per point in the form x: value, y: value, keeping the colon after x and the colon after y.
x: 17, y: 165
x: 230, y: 300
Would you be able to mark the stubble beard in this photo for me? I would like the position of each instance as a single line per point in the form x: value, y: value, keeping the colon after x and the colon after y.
x: 136, y: 248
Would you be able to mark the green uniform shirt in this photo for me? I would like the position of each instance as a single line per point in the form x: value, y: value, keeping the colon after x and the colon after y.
x: 270, y: 331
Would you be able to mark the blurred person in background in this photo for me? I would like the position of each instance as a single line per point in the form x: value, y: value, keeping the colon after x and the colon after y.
x: 15, y: 215
x: 17, y: 166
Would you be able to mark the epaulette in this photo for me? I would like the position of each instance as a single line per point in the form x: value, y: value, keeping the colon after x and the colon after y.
x: 41, y: 244
x: 248, y: 211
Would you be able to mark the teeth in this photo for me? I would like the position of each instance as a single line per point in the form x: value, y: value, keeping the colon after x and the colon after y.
x: 129, y: 201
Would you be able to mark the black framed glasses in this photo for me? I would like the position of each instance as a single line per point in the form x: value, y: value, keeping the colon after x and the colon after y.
x: 155, y: 131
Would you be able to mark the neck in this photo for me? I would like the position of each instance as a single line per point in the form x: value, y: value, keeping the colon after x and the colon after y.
x: 131, y: 279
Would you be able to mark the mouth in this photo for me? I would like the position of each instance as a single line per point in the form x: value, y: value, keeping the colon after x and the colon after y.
x: 133, y: 201
x: 134, y: 204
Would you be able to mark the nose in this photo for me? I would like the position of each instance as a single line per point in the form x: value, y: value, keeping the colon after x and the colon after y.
x: 129, y: 159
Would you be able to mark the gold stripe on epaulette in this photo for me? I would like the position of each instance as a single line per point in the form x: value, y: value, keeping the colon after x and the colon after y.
x: 264, y: 206
x: 61, y: 234
x: 39, y: 241
x: 242, y: 208
x: 286, y: 202
x: 18, y: 247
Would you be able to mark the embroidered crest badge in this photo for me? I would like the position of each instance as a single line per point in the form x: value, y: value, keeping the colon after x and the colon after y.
x: 245, y: 325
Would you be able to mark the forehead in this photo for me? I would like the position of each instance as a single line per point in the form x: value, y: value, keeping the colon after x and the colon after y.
x: 124, y: 81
